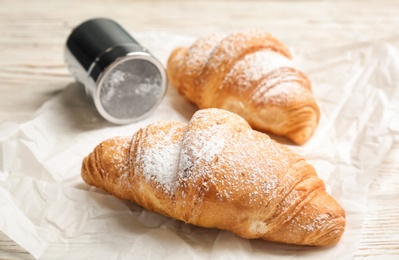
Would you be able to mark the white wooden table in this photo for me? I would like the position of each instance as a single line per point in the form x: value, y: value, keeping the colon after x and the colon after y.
x: 33, y: 33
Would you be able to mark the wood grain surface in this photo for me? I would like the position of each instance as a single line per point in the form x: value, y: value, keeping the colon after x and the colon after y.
x: 33, y: 34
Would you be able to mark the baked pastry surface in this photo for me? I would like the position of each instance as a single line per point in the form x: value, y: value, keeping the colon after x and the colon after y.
x: 250, y: 73
x: 217, y: 172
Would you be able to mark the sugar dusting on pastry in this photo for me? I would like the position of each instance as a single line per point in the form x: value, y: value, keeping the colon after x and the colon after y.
x: 249, y: 73
x: 158, y: 156
x: 192, y: 157
x: 255, y: 66
x: 168, y: 162
x: 159, y: 164
x: 200, y: 53
x: 218, y: 169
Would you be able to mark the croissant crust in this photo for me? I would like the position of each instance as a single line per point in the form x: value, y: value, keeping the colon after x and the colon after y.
x: 250, y: 73
x: 216, y: 172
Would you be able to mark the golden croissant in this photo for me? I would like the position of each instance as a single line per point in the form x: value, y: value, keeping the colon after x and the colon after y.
x: 250, y: 73
x: 216, y: 172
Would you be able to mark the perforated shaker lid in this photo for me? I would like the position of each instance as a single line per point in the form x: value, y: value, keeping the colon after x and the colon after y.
x: 125, y: 81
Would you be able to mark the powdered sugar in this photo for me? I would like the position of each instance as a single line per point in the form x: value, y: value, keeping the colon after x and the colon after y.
x: 285, y: 93
x: 229, y: 49
x: 199, y: 53
x: 158, y: 157
x: 218, y: 147
x: 235, y: 46
x: 242, y: 62
x: 201, y: 147
x: 318, y: 221
x: 149, y: 85
x: 160, y: 165
x: 251, y: 168
x: 226, y: 158
x: 256, y: 66
x: 114, y: 79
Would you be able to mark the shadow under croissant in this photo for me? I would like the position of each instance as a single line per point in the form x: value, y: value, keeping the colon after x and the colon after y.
x: 181, y: 104
x: 277, y: 138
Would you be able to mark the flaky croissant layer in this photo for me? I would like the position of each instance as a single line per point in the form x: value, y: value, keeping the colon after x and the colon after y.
x: 250, y: 73
x: 217, y: 172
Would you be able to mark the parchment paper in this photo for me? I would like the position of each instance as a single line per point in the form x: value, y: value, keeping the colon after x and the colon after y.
x: 47, y: 209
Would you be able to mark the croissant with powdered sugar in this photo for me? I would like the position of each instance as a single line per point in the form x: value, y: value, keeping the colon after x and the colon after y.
x: 217, y: 172
x: 250, y: 73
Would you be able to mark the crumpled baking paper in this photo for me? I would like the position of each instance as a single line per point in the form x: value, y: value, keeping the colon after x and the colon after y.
x: 47, y: 208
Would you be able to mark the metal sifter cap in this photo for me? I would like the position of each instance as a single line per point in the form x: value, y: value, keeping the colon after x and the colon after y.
x: 125, y: 81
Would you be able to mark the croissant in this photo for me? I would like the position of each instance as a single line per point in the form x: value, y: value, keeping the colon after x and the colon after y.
x: 217, y: 172
x: 249, y: 73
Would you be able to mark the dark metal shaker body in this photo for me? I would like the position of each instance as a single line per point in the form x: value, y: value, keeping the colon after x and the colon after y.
x: 125, y: 81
